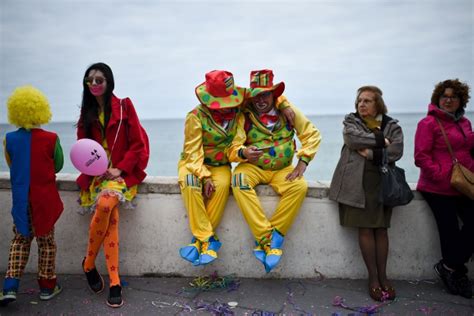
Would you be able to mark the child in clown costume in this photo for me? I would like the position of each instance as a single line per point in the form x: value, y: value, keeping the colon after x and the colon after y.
x: 264, y: 145
x: 204, y: 170
x: 34, y: 157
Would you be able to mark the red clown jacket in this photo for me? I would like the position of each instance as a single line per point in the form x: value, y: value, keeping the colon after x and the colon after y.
x: 34, y: 157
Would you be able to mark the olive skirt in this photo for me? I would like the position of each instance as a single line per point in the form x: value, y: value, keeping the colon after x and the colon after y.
x: 374, y: 215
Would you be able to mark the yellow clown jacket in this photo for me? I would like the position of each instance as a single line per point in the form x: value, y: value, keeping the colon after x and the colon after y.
x: 206, y: 142
x: 278, y: 144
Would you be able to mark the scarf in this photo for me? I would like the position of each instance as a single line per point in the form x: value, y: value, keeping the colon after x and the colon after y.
x: 373, y: 123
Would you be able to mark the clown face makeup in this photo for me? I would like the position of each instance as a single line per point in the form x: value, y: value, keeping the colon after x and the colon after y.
x: 263, y: 102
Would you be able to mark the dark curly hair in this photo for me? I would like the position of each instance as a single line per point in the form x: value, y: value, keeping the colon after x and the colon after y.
x: 460, y: 89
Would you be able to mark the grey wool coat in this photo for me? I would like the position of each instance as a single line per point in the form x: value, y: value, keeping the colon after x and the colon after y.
x: 346, y: 185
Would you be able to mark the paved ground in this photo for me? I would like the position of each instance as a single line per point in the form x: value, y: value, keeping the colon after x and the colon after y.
x: 175, y: 296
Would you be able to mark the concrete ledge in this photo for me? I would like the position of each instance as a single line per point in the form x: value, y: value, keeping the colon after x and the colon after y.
x: 151, y: 235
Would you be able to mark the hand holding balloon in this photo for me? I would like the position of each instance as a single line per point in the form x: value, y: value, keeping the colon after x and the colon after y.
x: 89, y: 157
x: 113, y: 173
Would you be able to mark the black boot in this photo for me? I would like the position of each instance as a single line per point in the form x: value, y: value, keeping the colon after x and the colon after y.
x: 464, y: 286
x: 447, y: 278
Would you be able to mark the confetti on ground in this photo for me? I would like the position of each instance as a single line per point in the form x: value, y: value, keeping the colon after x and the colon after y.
x: 213, y: 282
x: 290, y: 297
x: 263, y: 313
x: 161, y: 304
x: 216, y: 308
x: 338, y: 301
x: 290, y: 301
x: 30, y: 291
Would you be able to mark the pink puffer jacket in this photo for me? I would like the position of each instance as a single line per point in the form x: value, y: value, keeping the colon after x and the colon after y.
x: 431, y: 152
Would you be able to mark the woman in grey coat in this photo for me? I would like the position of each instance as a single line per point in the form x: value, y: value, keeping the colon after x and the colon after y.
x: 356, y: 182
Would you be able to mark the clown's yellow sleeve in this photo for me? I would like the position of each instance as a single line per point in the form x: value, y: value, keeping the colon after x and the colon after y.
x: 239, y: 141
x: 193, y: 152
x: 282, y: 103
x: 308, y: 134
x: 7, y: 156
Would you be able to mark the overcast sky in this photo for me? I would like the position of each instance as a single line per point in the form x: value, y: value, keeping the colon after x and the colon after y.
x: 160, y: 50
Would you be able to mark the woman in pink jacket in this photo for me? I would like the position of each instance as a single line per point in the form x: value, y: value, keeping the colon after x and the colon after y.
x: 448, y: 102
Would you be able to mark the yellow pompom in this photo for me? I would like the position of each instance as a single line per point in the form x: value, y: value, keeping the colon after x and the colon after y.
x: 28, y: 107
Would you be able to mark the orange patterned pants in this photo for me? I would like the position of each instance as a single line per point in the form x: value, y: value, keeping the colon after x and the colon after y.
x: 103, y: 230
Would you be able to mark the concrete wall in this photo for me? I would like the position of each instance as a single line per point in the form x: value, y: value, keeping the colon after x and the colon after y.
x: 151, y: 235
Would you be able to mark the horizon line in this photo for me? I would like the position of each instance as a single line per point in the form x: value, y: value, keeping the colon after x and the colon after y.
x: 183, y: 117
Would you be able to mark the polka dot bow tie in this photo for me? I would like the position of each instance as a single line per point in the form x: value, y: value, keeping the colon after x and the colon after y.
x: 268, y: 119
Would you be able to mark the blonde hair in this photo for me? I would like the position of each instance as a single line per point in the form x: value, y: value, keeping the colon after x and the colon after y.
x: 28, y: 107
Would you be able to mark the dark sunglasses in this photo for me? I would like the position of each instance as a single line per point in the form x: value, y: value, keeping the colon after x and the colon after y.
x: 90, y: 80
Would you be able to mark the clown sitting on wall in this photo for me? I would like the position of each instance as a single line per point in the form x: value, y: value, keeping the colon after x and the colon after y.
x: 204, y: 170
x: 34, y: 157
x: 264, y: 146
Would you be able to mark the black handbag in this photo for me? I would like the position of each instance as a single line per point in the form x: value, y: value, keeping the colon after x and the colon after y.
x: 394, y: 190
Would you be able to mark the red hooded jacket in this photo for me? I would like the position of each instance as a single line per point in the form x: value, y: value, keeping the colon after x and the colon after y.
x: 431, y: 152
x: 130, y: 143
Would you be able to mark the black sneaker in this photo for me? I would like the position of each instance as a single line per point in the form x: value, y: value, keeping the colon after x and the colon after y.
x: 447, y: 278
x: 464, y: 286
x: 7, y: 297
x: 47, y: 294
x: 115, y: 296
x: 94, y: 279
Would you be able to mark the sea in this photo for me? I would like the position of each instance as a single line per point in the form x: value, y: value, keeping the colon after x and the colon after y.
x: 166, y: 143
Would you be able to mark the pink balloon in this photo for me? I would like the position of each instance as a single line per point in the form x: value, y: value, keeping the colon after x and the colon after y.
x: 89, y: 157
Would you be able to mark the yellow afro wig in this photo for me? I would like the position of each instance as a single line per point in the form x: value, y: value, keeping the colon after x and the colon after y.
x: 28, y: 107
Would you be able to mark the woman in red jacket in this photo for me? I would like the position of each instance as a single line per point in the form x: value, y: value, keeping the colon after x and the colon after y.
x: 114, y: 124
x: 432, y: 156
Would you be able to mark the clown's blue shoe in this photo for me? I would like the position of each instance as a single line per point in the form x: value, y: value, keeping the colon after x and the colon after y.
x: 209, y: 250
x: 10, y: 289
x: 259, y: 252
x: 191, y: 251
x: 274, y: 253
x: 261, y: 249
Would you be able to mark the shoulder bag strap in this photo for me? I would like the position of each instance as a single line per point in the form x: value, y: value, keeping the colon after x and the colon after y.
x: 447, y: 141
x: 118, y: 129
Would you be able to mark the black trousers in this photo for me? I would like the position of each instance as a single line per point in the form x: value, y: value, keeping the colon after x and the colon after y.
x: 457, y: 243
